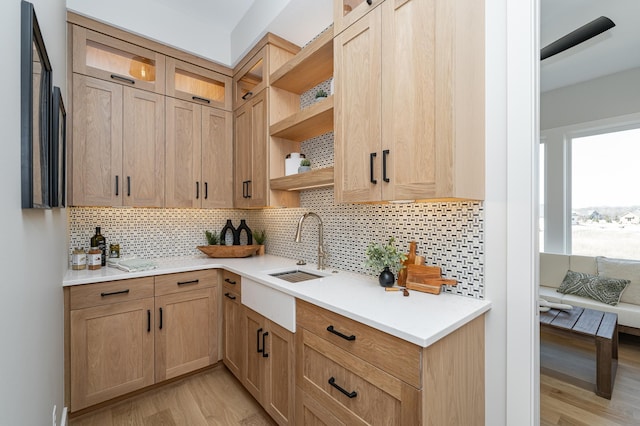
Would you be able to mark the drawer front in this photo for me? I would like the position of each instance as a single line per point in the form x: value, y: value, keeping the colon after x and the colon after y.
x: 353, y: 390
x: 231, y: 282
x: 88, y: 295
x: 185, y: 281
x: 374, y: 346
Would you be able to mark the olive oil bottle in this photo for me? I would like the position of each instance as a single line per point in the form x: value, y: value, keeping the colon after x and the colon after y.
x: 99, y: 241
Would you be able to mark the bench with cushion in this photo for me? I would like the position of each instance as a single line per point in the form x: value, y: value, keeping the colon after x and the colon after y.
x: 554, y: 267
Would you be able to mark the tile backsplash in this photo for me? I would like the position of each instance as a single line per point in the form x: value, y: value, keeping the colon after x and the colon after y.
x: 449, y: 234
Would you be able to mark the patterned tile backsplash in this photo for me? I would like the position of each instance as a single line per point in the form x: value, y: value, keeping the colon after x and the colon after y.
x: 449, y: 234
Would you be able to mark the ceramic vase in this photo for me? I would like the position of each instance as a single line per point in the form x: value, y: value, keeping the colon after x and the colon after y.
x: 386, y: 278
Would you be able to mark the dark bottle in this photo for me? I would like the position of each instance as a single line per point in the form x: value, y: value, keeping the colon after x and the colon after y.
x: 99, y: 241
x: 243, y: 226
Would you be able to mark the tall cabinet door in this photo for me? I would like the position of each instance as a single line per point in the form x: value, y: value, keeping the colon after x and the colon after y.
x: 96, y: 155
x: 253, y: 376
x: 280, y: 374
x: 217, y: 158
x: 183, y: 153
x: 186, y: 332
x: 111, y: 351
x: 250, y: 183
x: 143, y: 148
x: 357, y: 78
x: 408, y: 101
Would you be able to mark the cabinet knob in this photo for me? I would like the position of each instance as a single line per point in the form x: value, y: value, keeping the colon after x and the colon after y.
x: 247, y: 95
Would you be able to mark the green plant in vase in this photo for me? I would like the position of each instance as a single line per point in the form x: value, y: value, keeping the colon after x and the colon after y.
x: 384, y: 260
x: 213, y: 238
x: 259, y: 237
x: 305, y: 165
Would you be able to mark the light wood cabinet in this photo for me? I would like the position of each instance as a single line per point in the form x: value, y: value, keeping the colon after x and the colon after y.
x: 346, y: 12
x: 349, y: 373
x: 269, y: 366
x: 117, y: 155
x: 125, y: 335
x: 250, y: 123
x: 413, y: 72
x: 111, y: 339
x: 196, y: 84
x: 199, y: 151
x: 233, y: 337
x: 108, y: 58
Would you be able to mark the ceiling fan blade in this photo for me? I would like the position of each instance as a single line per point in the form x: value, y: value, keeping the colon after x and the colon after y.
x: 575, y: 37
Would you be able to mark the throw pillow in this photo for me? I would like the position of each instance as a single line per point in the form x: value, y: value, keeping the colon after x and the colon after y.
x: 622, y: 268
x: 602, y: 289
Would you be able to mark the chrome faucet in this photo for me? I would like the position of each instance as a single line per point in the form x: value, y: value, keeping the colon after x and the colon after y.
x: 322, y: 255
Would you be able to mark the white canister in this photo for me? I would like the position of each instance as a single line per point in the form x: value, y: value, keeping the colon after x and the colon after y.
x: 291, y: 163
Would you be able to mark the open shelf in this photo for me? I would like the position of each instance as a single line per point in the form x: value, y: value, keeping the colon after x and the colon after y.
x: 311, y: 66
x: 308, y: 123
x: 320, y: 178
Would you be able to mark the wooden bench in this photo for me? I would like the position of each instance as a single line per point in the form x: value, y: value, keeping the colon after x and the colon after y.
x: 594, y: 326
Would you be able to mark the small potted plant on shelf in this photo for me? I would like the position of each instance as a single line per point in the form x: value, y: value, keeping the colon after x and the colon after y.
x: 259, y: 237
x: 320, y: 95
x: 305, y: 165
x: 384, y: 260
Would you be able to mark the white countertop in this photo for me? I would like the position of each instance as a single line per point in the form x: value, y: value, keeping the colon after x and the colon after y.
x: 421, y: 318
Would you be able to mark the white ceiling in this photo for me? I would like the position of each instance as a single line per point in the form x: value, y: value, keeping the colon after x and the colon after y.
x: 615, y: 50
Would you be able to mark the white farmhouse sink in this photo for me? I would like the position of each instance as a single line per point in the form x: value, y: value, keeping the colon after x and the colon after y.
x: 272, y: 304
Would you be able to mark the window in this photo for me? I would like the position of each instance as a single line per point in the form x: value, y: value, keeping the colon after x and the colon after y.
x: 605, y: 194
x: 590, y: 189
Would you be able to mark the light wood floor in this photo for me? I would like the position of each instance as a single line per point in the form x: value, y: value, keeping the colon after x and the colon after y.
x: 213, y: 397
x: 562, y: 403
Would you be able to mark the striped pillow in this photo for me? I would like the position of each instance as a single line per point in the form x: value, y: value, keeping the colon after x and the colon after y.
x: 603, y: 289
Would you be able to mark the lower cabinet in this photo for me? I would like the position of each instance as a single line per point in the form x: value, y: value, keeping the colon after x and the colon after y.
x: 128, y: 334
x: 269, y: 365
x: 350, y: 374
x: 233, y: 339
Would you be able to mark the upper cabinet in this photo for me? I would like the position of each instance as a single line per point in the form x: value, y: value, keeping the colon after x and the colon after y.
x: 346, y: 12
x: 117, y: 154
x: 250, y: 79
x: 196, y: 84
x: 409, y: 102
x: 256, y: 106
x: 108, y: 58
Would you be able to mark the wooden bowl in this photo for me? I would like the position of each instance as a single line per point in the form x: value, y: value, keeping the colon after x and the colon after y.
x: 230, y: 251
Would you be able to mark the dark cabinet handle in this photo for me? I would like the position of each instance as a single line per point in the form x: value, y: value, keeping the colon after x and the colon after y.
x: 258, y: 341
x: 117, y: 185
x: 113, y: 293
x: 330, y: 329
x: 188, y: 282
x: 227, y: 280
x: 121, y: 78
x: 332, y: 382
x: 198, y: 98
x: 244, y: 189
x: 248, y: 187
x: 369, y: 2
x: 197, y: 190
x: 230, y: 296
x: 385, y: 154
x: 247, y: 95
x: 148, y: 320
x: 371, y: 157
x: 264, y: 347
x: 128, y: 186
x: 206, y: 190
x: 160, y: 327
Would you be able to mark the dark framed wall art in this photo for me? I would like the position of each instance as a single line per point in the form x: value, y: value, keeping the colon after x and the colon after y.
x: 35, y: 112
x: 58, y: 182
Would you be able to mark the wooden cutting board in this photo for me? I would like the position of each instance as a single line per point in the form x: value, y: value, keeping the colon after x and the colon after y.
x: 420, y: 273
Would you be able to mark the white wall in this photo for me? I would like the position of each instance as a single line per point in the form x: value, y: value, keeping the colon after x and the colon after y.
x: 33, y: 255
x: 174, y: 26
x: 512, y: 371
x: 609, y: 96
